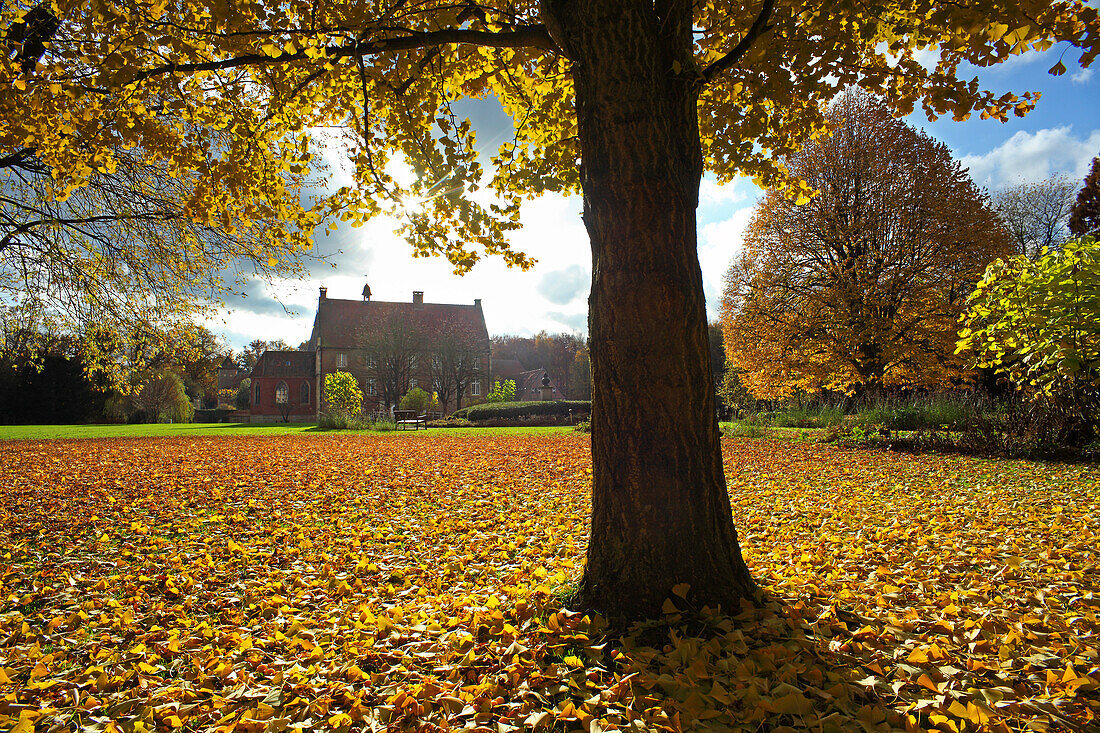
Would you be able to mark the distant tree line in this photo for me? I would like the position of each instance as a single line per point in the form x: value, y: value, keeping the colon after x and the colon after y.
x: 49, y: 376
x: 564, y: 356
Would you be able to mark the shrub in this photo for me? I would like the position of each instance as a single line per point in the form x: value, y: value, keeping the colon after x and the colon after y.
x: 742, y: 430
x: 164, y: 399
x: 340, y: 421
x: 1034, y: 321
x: 953, y: 412
x: 450, y: 422
x: 809, y: 416
x: 344, y: 398
x: 499, y: 410
x: 419, y: 400
x: 335, y: 421
x: 226, y: 397
x: 524, y: 421
x: 855, y: 435
x: 584, y: 426
x: 937, y: 412
x: 502, y: 391
x: 244, y: 395
x: 1019, y: 426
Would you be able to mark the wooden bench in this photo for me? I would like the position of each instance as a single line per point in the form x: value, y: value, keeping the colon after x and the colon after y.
x: 408, y: 419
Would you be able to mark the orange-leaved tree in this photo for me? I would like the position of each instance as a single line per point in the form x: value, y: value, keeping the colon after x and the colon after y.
x: 625, y: 101
x: 860, y: 287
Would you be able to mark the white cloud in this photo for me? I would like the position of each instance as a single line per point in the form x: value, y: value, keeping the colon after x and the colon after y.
x: 713, y: 193
x: 719, y: 243
x: 929, y: 57
x: 1034, y: 156
x: 553, y: 234
x: 565, y: 285
x: 241, y: 327
x: 576, y: 322
x: 1081, y: 76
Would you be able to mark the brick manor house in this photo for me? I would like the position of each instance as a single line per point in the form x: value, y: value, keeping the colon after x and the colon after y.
x: 388, y: 347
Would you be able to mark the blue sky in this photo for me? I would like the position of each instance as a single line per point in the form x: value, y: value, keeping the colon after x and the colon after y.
x: 1061, y: 136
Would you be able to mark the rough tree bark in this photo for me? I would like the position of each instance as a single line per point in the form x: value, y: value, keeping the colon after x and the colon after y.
x: 660, y: 511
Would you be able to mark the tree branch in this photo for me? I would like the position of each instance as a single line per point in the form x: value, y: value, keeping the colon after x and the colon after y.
x: 17, y: 158
x: 10, y: 238
x: 758, y: 28
x: 532, y: 36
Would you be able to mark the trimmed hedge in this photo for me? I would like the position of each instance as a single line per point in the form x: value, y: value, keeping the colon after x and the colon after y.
x: 501, y: 410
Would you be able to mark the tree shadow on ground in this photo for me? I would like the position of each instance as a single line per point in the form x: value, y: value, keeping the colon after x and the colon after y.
x: 778, y: 666
x: 762, y: 669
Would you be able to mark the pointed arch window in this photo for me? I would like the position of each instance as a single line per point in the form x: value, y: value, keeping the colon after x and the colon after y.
x: 282, y: 394
x: 305, y: 393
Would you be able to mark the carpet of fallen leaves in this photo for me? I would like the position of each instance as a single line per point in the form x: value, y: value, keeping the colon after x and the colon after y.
x: 413, y: 583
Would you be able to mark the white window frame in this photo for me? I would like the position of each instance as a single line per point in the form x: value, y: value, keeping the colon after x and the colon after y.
x: 413, y: 383
x: 341, y: 361
x: 372, y: 361
x: 475, y: 388
x: 371, y: 386
x: 477, y: 363
x: 282, y: 394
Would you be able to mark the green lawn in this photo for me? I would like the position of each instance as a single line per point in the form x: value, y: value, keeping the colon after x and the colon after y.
x: 53, y: 432
x: 773, y: 432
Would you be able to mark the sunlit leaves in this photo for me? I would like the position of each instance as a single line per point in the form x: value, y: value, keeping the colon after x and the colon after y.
x: 1037, y: 322
x: 342, y: 395
x: 229, y: 96
x: 272, y: 583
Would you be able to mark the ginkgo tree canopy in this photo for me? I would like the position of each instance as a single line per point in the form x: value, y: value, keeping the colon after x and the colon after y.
x: 234, y: 95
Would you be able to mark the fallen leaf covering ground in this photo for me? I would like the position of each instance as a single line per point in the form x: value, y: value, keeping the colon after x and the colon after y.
x: 412, y: 583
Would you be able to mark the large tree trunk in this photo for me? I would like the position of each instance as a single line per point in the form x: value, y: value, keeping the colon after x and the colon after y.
x: 660, y: 512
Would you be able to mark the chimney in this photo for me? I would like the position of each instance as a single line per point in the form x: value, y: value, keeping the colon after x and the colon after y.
x: 477, y: 302
x: 324, y: 293
x: 418, y: 298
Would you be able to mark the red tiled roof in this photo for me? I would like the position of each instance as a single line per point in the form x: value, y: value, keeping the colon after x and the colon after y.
x: 345, y: 323
x: 285, y: 364
x: 529, y: 386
